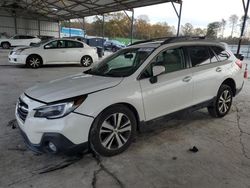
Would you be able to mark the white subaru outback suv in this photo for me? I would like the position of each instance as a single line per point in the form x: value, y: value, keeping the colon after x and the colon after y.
x: 103, y: 107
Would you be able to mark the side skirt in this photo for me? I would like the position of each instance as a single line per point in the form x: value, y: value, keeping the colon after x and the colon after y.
x: 144, y: 125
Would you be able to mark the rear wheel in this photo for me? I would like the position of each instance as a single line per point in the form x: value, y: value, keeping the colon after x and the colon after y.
x: 223, y: 102
x: 113, y: 131
x: 34, y: 61
x: 5, y: 45
x: 86, y: 61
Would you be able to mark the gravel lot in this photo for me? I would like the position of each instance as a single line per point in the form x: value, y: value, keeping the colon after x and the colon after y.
x: 158, y: 158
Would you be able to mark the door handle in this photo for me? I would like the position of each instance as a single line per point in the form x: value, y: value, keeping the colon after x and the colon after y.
x: 218, y: 69
x: 187, y: 79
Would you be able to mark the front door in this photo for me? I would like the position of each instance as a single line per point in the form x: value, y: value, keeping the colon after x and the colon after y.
x: 173, y: 89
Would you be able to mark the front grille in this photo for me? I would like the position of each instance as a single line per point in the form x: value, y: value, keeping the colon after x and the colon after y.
x: 22, y: 110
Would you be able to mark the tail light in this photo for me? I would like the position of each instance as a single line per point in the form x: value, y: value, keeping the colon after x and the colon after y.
x: 246, y: 73
x: 239, y: 63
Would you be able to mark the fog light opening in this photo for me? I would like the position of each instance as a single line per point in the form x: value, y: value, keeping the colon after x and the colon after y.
x: 52, y: 147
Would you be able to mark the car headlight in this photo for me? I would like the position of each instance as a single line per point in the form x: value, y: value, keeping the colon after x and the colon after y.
x: 58, y: 110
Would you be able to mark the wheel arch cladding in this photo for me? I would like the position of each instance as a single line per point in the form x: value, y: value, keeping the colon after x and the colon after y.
x: 231, y: 83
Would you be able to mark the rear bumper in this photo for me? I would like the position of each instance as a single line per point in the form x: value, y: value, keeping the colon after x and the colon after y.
x: 62, y: 144
x: 238, y: 90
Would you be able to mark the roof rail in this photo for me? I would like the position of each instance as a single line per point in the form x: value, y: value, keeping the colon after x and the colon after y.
x: 170, y: 39
x: 150, y: 40
x: 182, y: 38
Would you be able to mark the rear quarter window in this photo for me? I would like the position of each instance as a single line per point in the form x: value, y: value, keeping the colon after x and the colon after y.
x: 199, y: 55
x: 221, y: 53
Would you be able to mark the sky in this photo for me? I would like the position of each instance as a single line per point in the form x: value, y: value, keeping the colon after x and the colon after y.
x: 197, y: 12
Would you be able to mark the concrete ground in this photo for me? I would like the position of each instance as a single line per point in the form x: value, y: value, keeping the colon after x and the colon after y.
x: 158, y: 158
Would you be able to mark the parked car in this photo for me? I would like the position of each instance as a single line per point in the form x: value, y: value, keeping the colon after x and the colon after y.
x: 103, y: 107
x: 56, y: 51
x: 113, y: 45
x: 18, y: 40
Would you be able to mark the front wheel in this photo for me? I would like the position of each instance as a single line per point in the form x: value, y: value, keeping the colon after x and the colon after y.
x: 223, y: 102
x: 86, y: 61
x: 5, y: 45
x: 113, y: 131
x: 34, y: 61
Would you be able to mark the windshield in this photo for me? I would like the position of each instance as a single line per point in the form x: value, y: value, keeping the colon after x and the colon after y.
x: 121, y: 64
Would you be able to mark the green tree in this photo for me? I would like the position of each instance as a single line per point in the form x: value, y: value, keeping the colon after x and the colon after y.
x: 233, y: 20
x: 187, y: 29
x: 212, y: 29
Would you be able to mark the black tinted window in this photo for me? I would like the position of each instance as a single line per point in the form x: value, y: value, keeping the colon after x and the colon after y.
x: 29, y: 37
x: 73, y: 44
x: 199, y: 55
x: 221, y: 53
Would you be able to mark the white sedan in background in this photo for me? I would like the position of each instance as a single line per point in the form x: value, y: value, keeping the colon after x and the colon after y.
x: 56, y: 51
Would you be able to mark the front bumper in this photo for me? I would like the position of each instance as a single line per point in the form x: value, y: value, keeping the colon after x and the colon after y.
x: 67, y: 133
x: 17, y: 59
x: 62, y: 144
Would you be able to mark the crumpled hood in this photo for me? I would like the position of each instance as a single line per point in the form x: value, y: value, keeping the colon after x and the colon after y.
x: 71, y: 86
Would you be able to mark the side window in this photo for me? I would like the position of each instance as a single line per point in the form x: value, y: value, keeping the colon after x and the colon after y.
x: 73, y: 44
x: 16, y: 37
x: 221, y: 53
x: 56, y: 44
x: 213, y: 57
x: 29, y: 37
x: 22, y: 37
x: 172, y: 59
x: 199, y: 55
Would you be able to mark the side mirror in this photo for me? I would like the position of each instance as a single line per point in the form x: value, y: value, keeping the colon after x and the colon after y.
x: 47, y: 46
x: 157, y: 70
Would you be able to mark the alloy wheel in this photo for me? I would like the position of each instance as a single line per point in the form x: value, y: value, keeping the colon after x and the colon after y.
x: 224, y: 102
x: 34, y: 62
x: 115, y: 131
x: 86, y: 61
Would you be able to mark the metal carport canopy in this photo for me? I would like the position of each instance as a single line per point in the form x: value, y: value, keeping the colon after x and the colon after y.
x: 70, y: 9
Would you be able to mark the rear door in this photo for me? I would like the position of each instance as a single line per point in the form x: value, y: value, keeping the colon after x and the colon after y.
x: 208, y: 72
x: 173, y: 89
x: 74, y: 51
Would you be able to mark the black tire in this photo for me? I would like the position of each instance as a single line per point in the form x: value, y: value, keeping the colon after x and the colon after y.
x: 105, y: 141
x: 5, y: 45
x: 86, y: 61
x: 34, y: 61
x: 114, y: 49
x: 222, y: 103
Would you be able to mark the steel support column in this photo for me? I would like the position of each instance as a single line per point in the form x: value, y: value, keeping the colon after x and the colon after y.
x: 69, y: 28
x: 132, y: 27
x: 245, y: 7
x: 178, y: 15
x: 15, y: 24
x: 103, y: 20
x: 39, y: 27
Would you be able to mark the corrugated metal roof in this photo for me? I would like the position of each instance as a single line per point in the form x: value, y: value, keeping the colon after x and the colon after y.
x: 69, y: 9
